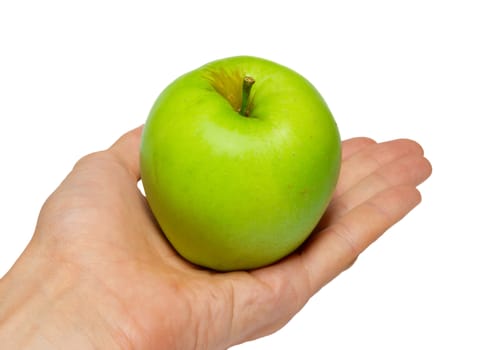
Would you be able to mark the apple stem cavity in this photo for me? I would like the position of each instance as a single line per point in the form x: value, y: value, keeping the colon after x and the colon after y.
x: 247, y: 84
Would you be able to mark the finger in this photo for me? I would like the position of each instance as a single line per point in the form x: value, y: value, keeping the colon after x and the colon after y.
x: 289, y: 284
x: 371, y: 158
x: 277, y: 292
x: 332, y: 250
x: 354, y: 145
x: 127, y: 150
x: 408, y: 170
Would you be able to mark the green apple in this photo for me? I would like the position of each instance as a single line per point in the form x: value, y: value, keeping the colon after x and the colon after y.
x: 239, y: 159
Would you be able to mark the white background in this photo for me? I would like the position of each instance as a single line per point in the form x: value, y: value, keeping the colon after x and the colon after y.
x: 75, y: 75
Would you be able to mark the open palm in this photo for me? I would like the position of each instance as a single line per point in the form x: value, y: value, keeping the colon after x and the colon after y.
x: 116, y: 272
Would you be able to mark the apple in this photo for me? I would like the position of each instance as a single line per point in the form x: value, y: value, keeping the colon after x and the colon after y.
x: 239, y: 159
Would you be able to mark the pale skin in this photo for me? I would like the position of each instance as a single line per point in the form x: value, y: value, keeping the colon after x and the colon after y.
x: 98, y: 274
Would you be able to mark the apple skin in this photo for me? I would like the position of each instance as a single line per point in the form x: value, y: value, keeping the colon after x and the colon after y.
x: 233, y: 192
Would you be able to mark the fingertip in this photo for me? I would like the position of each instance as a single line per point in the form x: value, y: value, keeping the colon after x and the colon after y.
x: 429, y: 168
x: 418, y: 197
x: 408, y: 146
x: 133, y: 133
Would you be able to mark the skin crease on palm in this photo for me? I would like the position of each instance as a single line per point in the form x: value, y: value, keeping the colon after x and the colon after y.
x: 99, y: 274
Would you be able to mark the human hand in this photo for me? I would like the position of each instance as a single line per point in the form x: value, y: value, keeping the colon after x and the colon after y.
x: 98, y: 273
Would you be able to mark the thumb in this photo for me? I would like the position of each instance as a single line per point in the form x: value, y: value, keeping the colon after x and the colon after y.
x: 127, y: 150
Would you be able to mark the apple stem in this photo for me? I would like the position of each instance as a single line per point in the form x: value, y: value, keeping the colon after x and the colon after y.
x: 247, y: 84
